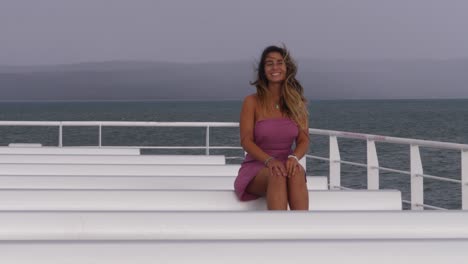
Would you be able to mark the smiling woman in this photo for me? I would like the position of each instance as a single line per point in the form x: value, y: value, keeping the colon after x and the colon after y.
x: 272, y: 120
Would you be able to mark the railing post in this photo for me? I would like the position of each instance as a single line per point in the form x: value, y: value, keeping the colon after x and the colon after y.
x: 372, y: 166
x: 464, y: 178
x: 60, y: 135
x: 100, y: 135
x: 335, y: 165
x: 207, y: 140
x: 417, y: 181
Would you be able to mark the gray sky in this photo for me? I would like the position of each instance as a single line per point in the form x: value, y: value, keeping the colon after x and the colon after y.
x: 68, y: 31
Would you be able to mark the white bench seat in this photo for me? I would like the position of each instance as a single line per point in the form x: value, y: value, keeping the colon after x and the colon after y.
x: 349, y: 251
x: 70, y: 150
x: 218, y: 237
x: 134, y: 182
x: 260, y: 225
x: 192, y: 200
x: 119, y: 169
x: 112, y: 159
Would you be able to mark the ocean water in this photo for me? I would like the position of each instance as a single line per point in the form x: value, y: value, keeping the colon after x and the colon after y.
x: 440, y: 120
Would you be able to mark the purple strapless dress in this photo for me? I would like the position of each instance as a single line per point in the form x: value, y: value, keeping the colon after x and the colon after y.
x: 274, y: 136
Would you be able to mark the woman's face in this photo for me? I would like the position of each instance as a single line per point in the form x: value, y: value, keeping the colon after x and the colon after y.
x: 275, y: 68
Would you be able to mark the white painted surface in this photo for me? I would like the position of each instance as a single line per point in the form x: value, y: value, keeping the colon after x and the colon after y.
x: 372, y: 166
x: 464, y: 179
x: 24, y: 145
x: 135, y: 182
x: 69, y: 151
x: 119, y: 169
x: 417, y: 181
x: 113, y: 159
x: 334, y: 164
x: 216, y: 237
x: 230, y: 225
x: 234, y: 252
x: 193, y: 200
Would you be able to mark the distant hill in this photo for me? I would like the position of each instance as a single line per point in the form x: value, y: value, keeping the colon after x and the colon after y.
x: 145, y: 80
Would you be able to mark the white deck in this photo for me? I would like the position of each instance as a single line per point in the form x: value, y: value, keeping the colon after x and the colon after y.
x: 113, y: 159
x: 185, y: 200
x: 69, y: 151
x: 258, y: 225
x: 209, y: 237
x: 106, y: 210
x: 135, y: 182
x: 233, y: 252
x: 118, y: 169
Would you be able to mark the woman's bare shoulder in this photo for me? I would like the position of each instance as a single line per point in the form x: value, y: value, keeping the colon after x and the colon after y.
x: 251, y: 99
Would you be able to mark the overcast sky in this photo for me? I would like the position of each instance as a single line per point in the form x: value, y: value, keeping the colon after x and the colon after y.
x: 67, y: 31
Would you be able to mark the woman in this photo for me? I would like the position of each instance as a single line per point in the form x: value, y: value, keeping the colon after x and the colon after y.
x: 272, y: 120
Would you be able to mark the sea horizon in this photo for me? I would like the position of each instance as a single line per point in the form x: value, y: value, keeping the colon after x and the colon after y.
x: 225, y: 100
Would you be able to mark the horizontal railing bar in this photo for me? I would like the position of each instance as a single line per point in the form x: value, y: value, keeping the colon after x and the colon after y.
x: 118, y: 123
x: 234, y: 158
x: 360, y: 164
x: 425, y: 205
x: 432, y: 207
x: 377, y: 138
x: 439, y: 178
x: 317, y: 157
x: 30, y: 123
x: 394, y: 170
x: 352, y: 163
x: 396, y: 140
x: 151, y: 147
x: 155, y: 147
x: 389, y: 169
x: 224, y: 147
x: 345, y: 188
x: 183, y: 147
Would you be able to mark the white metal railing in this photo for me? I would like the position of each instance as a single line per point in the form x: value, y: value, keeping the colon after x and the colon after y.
x: 373, y: 168
x: 100, y: 124
x: 372, y: 165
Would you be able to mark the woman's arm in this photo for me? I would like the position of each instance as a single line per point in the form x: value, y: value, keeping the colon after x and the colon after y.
x: 302, y: 142
x: 302, y: 146
x: 247, y: 123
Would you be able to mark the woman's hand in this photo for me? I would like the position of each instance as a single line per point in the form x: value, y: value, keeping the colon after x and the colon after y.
x: 292, y: 165
x: 276, y: 167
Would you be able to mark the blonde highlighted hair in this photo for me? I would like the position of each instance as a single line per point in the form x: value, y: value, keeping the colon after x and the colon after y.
x: 292, y: 100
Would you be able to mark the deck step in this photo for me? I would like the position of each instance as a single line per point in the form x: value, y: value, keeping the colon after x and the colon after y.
x: 192, y: 200
x: 265, y: 225
x: 350, y: 251
x: 135, y: 182
x: 69, y: 150
x: 112, y: 159
x: 119, y: 169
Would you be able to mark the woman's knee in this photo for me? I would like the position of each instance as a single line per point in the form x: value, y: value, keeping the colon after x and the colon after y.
x: 298, y: 178
x: 275, y: 180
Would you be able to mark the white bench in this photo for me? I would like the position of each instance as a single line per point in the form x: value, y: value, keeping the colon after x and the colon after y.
x: 69, y: 150
x: 232, y: 225
x: 193, y: 200
x: 233, y: 237
x: 349, y: 251
x: 134, y: 182
x: 112, y: 159
x: 118, y: 170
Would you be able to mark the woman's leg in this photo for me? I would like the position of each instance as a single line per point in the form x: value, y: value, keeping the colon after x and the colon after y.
x: 272, y: 186
x: 298, y: 195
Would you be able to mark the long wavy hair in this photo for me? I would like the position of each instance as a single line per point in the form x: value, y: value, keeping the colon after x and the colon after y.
x: 292, y: 100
